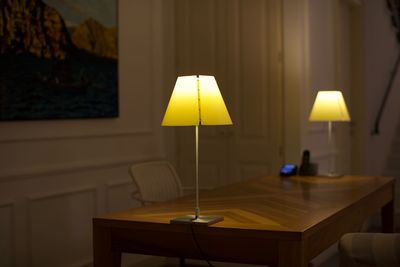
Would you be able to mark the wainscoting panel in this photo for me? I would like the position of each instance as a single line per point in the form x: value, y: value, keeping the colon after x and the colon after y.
x: 253, y: 33
x: 60, y: 227
x: 210, y: 175
x: 239, y: 42
x: 48, y: 219
x: 254, y: 169
x: 118, y: 195
x: 7, y: 247
x: 62, y: 173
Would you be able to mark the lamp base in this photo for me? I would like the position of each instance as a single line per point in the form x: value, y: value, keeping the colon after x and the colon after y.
x: 330, y: 175
x: 202, y: 220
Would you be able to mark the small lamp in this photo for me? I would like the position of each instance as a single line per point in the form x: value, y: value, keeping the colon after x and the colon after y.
x: 196, y: 100
x: 329, y: 106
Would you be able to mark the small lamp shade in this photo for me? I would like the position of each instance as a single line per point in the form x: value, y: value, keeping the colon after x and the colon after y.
x: 196, y: 100
x: 329, y: 106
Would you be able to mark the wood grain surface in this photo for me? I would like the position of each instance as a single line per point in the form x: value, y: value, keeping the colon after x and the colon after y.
x: 268, y: 220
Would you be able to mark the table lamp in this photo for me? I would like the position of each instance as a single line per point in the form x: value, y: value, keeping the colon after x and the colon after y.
x: 196, y: 100
x: 330, y: 106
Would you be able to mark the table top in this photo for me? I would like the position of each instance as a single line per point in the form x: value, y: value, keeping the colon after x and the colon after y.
x: 292, y: 205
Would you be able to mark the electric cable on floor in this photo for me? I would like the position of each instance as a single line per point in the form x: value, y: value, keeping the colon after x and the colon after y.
x: 198, y: 246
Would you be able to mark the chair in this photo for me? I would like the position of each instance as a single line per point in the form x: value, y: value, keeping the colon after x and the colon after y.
x: 369, y: 249
x: 156, y: 181
x: 330, y: 257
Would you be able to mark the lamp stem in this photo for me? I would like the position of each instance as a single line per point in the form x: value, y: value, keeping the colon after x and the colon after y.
x: 332, y: 156
x: 197, y: 209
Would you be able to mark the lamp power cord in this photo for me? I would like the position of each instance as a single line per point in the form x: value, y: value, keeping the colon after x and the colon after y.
x: 198, y: 245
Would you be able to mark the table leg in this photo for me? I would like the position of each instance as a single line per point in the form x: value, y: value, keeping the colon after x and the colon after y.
x: 387, y: 216
x: 103, y: 255
x: 292, y: 254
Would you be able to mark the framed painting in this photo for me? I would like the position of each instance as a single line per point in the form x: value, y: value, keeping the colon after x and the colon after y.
x: 58, y: 59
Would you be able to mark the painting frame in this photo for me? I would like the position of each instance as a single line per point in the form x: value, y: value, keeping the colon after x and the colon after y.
x: 59, y: 66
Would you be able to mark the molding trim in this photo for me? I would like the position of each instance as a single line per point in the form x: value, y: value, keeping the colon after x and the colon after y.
x: 66, y: 192
x: 33, y: 172
x: 11, y: 205
x: 355, y: 3
x: 114, y: 184
x: 7, y: 203
x: 78, y: 136
x: 48, y: 195
x: 83, y: 263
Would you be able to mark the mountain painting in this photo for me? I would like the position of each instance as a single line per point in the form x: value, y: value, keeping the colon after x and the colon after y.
x: 58, y: 59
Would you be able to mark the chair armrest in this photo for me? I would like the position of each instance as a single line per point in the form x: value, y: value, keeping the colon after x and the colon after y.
x: 369, y: 249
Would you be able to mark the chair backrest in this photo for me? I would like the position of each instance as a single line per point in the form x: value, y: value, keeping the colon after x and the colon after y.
x: 369, y: 249
x: 156, y: 181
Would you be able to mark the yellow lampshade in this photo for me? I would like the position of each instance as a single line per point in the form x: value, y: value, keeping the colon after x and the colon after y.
x: 196, y: 100
x: 329, y: 106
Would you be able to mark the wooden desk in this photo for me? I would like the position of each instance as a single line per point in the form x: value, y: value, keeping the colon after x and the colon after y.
x: 269, y: 220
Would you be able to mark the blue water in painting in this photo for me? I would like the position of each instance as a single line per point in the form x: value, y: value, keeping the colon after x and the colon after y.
x: 82, y: 86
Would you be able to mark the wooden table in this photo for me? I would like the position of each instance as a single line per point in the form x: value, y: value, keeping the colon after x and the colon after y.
x: 269, y: 221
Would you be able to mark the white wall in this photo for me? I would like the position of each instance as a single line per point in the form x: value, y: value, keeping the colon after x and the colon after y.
x: 56, y: 175
x: 351, y: 47
x: 295, y: 69
x: 320, y: 75
x: 315, y: 51
x: 381, y: 51
x: 329, y: 69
